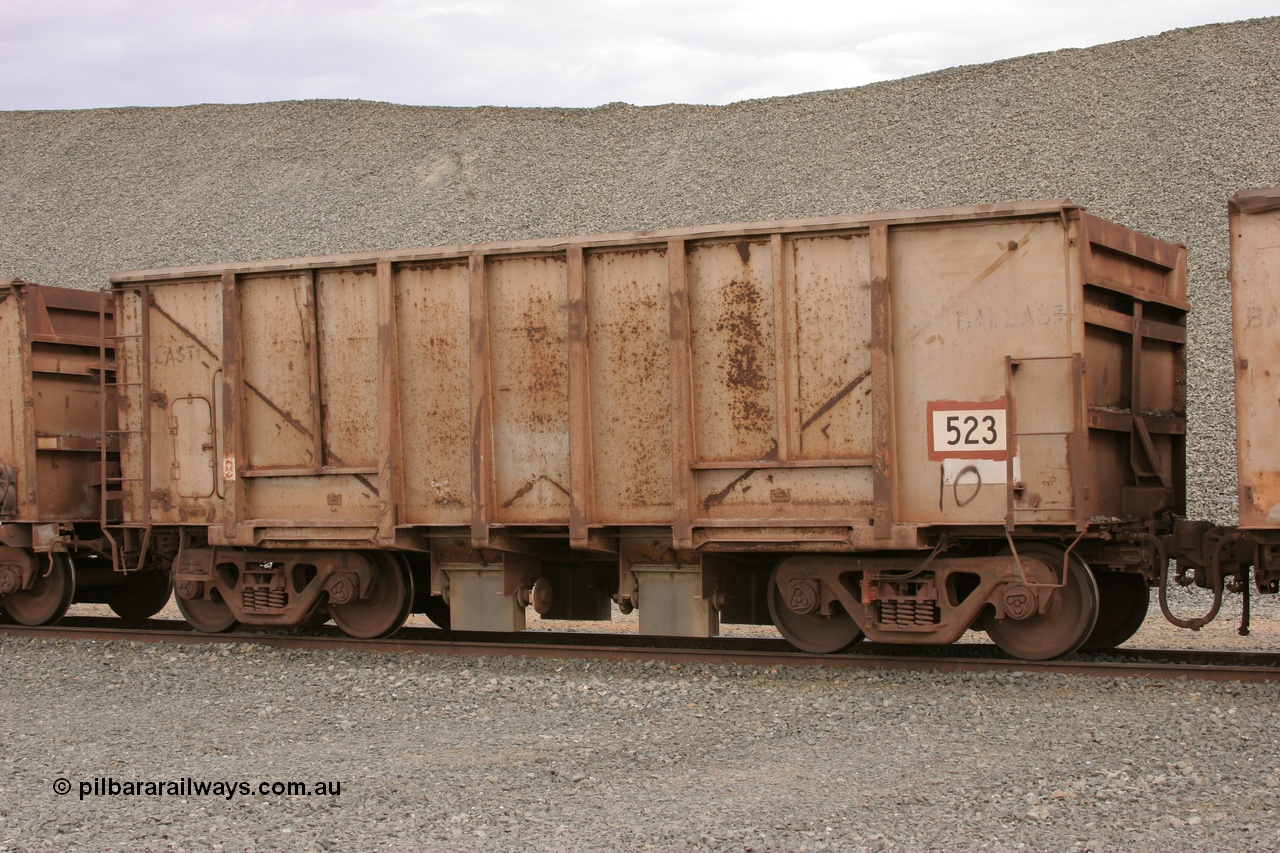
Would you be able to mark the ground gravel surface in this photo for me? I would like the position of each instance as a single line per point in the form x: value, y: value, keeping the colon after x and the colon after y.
x: 439, y: 753
x: 1155, y: 133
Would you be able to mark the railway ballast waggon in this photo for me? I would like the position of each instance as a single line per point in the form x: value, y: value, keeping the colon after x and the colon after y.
x: 898, y: 426
x: 53, y: 460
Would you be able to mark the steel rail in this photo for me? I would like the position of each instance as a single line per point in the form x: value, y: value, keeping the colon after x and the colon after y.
x: 969, y: 657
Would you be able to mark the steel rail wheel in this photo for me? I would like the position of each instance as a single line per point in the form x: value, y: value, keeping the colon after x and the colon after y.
x: 207, y: 615
x: 387, y: 606
x: 811, y: 632
x: 1070, y: 618
x: 49, y: 597
x: 1123, y: 599
x: 143, y: 595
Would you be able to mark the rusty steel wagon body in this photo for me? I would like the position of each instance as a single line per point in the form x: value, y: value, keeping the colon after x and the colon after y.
x: 889, y: 425
x: 53, y: 544
x: 1254, y: 219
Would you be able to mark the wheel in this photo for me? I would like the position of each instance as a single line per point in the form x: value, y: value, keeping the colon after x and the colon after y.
x: 1123, y: 599
x: 143, y: 595
x: 1072, y: 612
x: 48, y: 599
x: 208, y: 615
x: 812, y: 632
x: 387, y: 607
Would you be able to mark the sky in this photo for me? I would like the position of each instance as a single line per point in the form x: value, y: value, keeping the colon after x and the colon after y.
x: 76, y: 54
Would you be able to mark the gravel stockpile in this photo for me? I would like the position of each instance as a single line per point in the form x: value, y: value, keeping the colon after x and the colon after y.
x: 1154, y: 133
x: 462, y: 754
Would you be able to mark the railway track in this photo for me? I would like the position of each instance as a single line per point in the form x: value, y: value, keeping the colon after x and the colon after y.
x: 971, y: 657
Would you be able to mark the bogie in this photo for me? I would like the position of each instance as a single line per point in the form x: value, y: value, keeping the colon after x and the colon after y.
x: 367, y: 595
x: 1031, y: 609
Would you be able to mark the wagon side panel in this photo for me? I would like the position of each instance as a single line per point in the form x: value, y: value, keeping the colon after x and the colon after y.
x: 528, y: 372
x: 432, y: 305
x: 16, y: 451
x: 780, y: 359
x: 628, y: 355
x: 1134, y: 291
x: 1255, y: 285
x: 307, y: 345
x: 983, y: 372
x: 829, y: 304
x: 66, y: 401
x: 184, y: 349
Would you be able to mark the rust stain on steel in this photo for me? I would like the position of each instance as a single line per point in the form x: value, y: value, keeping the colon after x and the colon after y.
x: 741, y: 318
x: 528, y: 487
x: 840, y: 395
x: 627, y: 376
x: 882, y: 425
x: 481, y: 470
x: 434, y: 393
x: 542, y: 376
x: 746, y: 377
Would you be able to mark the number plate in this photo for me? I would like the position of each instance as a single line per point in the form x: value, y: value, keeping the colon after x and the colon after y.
x: 968, y: 430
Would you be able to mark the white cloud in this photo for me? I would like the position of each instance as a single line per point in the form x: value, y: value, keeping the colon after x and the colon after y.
x: 57, y: 54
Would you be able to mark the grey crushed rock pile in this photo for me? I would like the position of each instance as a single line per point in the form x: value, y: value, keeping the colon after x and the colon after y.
x: 1154, y: 133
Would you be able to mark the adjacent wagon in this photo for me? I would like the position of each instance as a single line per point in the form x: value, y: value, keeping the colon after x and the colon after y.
x: 57, y: 456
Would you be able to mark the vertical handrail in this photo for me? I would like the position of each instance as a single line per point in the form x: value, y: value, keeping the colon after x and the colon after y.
x: 1011, y: 450
x: 103, y: 476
